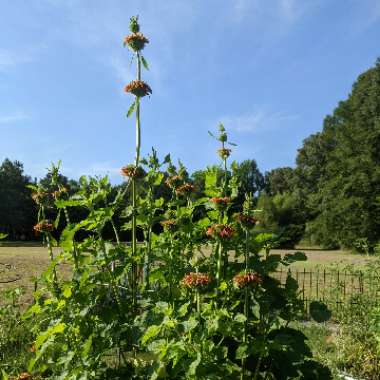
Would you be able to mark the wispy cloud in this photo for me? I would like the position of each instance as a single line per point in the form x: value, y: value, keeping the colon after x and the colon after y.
x: 283, y: 11
x: 10, y: 58
x: 121, y: 68
x: 13, y: 118
x: 257, y: 121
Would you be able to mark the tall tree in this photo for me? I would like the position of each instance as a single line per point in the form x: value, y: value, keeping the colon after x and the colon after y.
x: 17, y: 210
x: 339, y: 168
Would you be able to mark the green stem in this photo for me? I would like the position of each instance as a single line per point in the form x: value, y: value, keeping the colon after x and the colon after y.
x: 198, y: 300
x: 246, y: 302
x: 134, y: 246
x: 148, y: 257
x: 225, y: 174
x: 50, y: 248
x: 219, y: 264
x: 75, y: 253
x: 171, y: 271
x: 134, y: 193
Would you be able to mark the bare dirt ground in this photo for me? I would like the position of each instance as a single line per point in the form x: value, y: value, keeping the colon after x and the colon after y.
x: 21, y: 266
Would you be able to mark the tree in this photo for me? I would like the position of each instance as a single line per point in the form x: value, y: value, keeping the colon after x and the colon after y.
x: 339, y: 169
x: 250, y: 178
x: 279, y: 181
x: 17, y: 209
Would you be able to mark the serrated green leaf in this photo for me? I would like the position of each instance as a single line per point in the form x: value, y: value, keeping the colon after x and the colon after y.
x: 150, y: 333
x: 131, y: 109
x: 145, y: 63
x: 240, y: 318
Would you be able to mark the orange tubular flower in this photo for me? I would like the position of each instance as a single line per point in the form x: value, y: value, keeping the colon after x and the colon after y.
x: 38, y: 197
x: 24, y: 376
x: 169, y: 224
x: 246, y: 221
x: 43, y: 226
x: 224, y: 153
x: 185, y: 189
x: 138, y: 88
x: 196, y: 280
x: 245, y: 279
x: 222, y: 231
x: 174, y: 181
x: 220, y: 202
x: 136, y: 41
x: 132, y: 171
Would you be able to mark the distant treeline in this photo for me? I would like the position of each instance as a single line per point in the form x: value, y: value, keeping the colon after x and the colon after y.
x: 331, y: 197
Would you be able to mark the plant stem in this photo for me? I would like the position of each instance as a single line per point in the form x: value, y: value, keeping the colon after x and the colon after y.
x: 75, y: 253
x: 148, y: 257
x: 134, y: 193
x: 50, y: 248
x: 134, y: 246
x: 246, y: 303
x: 219, y: 268
x: 198, y: 300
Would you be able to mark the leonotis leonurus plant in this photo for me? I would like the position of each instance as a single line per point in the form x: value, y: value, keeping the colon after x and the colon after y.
x: 180, y: 290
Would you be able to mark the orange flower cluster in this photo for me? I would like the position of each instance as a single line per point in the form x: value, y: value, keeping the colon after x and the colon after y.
x: 132, y: 171
x: 222, y: 231
x: 246, y: 221
x: 24, y: 376
x: 245, y: 279
x: 194, y: 280
x: 43, y: 226
x: 136, y: 41
x: 174, y: 181
x: 224, y: 153
x: 57, y: 194
x: 221, y: 202
x: 38, y: 197
x: 185, y: 189
x: 169, y: 224
x: 138, y: 88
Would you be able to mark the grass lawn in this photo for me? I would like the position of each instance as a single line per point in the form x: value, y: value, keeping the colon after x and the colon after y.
x: 19, y: 265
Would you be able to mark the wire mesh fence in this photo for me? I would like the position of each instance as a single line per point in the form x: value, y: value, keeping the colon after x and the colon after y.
x: 335, y: 287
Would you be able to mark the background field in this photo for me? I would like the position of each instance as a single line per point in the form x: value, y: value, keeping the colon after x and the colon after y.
x: 20, y: 265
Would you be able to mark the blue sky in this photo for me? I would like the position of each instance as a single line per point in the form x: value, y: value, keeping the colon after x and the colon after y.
x: 269, y: 69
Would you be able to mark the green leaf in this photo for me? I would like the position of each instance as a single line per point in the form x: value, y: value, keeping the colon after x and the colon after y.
x: 57, y: 219
x: 67, y: 292
x: 190, y: 324
x: 183, y: 309
x: 194, y: 365
x: 150, y: 333
x: 86, y: 347
x: 145, y: 63
x: 51, y: 331
x: 240, y: 318
x: 131, y: 109
x: 241, y: 352
x: 67, y: 237
x: 319, y: 311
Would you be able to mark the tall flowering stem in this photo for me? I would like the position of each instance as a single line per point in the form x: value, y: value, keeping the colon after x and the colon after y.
x: 247, y: 222
x: 135, y: 42
x: 221, y: 204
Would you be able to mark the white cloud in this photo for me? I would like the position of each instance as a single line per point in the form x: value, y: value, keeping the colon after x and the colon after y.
x: 122, y: 68
x: 13, y: 118
x: 11, y: 58
x: 281, y: 11
x: 257, y: 121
